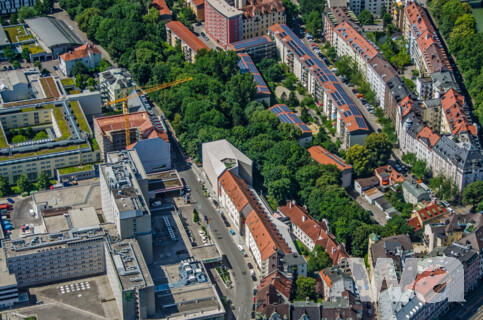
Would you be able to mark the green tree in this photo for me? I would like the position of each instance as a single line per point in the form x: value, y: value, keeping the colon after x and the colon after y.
x: 25, y: 13
x: 443, y: 187
x: 13, y: 19
x: 23, y: 184
x: 9, y: 53
x: 319, y: 259
x: 25, y: 54
x: 85, y: 16
x: 19, y: 138
x: 41, y: 135
x: 366, y: 17
x: 38, y: 64
x: 359, y: 157
x: 79, y: 68
x: 379, y: 148
x: 409, y: 158
x: 16, y: 64
x: 331, y: 53
x: 43, y: 181
x: 306, y: 288
x: 91, y: 82
x: 473, y: 193
x: 29, y: 132
x: 152, y: 16
x: 419, y: 169
x: 196, y: 218
x: 4, y: 187
x: 79, y: 82
x: 314, y: 23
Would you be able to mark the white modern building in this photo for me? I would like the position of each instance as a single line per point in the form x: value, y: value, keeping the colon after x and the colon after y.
x: 114, y: 83
x: 14, y: 86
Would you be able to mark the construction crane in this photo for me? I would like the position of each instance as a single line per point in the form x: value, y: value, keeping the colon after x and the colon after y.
x: 144, y: 90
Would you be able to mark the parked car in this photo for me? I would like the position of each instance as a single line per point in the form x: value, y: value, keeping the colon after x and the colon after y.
x: 55, y: 68
x: 198, y: 23
x: 188, y: 189
x: 313, y: 45
x: 10, y: 200
x: 5, y: 68
x: 250, y: 266
x: 371, y: 111
x: 232, y: 232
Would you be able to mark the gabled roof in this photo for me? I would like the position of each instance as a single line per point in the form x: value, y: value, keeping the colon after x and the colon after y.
x: 186, y: 36
x: 282, y: 284
x: 261, y: 8
x: 245, y: 64
x: 237, y: 190
x: 360, y: 45
x: 425, y: 214
x: 162, y: 7
x: 453, y: 103
x: 285, y: 115
x: 324, y: 157
x: 429, y: 137
x: 383, y: 68
x: 474, y: 239
x: 80, y: 52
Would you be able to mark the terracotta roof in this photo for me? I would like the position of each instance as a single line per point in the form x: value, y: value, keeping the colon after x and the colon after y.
x: 267, y: 310
x: 389, y: 175
x: 452, y: 103
x: 280, y: 282
x: 198, y: 3
x: 383, y: 68
x: 429, y: 213
x: 186, y: 36
x: 162, y: 7
x: 317, y: 231
x: 428, y: 134
x: 429, y: 283
x: 356, y: 41
x: 139, y: 120
x: 237, y: 190
x: 265, y: 234
x: 261, y: 7
x: 80, y: 52
x: 324, y: 157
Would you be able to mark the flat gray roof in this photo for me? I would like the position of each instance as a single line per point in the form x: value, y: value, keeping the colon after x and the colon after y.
x: 3, y: 37
x: 53, y: 32
x: 87, y: 195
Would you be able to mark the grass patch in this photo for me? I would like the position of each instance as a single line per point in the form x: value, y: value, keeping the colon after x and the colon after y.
x: 25, y: 38
x: 303, y: 250
x: 273, y: 203
x: 225, y: 276
x: 95, y: 145
x: 3, y: 140
x: 75, y: 169
x: 50, y: 88
x: 81, y: 120
x: 59, y: 118
x: 74, y: 92
x: 409, y: 83
x: 67, y: 82
x: 33, y: 49
x: 14, y: 32
x: 46, y: 151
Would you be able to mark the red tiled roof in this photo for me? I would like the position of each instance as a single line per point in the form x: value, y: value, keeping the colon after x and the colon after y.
x: 383, y: 68
x: 262, y: 7
x: 431, y: 137
x: 280, y: 282
x: 162, y: 7
x: 324, y: 157
x: 80, y: 52
x: 236, y: 189
x: 429, y: 213
x: 139, y: 120
x: 186, y: 36
x: 452, y: 103
x: 198, y: 3
x: 317, y: 231
x: 393, y: 176
x: 356, y: 41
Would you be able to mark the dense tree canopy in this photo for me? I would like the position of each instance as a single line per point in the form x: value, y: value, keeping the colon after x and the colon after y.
x: 473, y: 193
x: 366, y: 17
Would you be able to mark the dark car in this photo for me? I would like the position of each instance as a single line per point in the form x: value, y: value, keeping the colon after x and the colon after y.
x: 255, y: 291
x: 10, y: 200
x: 249, y: 265
x: 55, y: 68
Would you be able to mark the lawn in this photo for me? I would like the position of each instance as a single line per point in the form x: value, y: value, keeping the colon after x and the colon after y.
x: 75, y: 169
x: 15, y: 32
x: 81, y: 120
x: 67, y: 82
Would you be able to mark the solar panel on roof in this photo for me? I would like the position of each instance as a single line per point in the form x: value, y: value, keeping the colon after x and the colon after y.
x: 250, y: 43
x: 284, y: 118
x: 276, y: 110
x: 259, y: 80
x: 296, y: 119
x: 252, y: 68
x: 285, y: 108
x: 361, y: 123
x: 304, y: 127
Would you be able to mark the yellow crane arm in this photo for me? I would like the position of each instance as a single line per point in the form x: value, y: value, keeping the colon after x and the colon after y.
x: 151, y: 89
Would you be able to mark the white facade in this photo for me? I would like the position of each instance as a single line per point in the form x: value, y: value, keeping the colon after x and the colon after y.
x: 90, y: 60
x: 374, y: 6
x: 230, y: 208
x: 250, y: 242
x: 303, y: 237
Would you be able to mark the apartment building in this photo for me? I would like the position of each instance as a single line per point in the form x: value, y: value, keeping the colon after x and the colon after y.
x: 429, y: 214
x: 474, y: 240
x: 246, y: 65
x: 223, y: 22
x: 470, y: 260
x: 349, y: 42
x: 258, y: 15
x: 8, y: 285
x: 220, y: 156
x: 333, y: 17
x: 198, y: 7
x: 454, y: 119
x: 110, y: 131
x: 424, y: 44
x: 115, y: 83
x: 335, y: 282
x: 124, y: 204
x: 257, y: 48
x: 449, y: 230
x: 45, y: 258
x: 178, y: 35
x: 314, y: 75
x: 67, y: 144
x: 87, y: 54
x: 413, y: 192
x: 374, y: 6
x: 312, y: 233
x: 379, y: 73
x: 12, y: 6
x: 285, y: 115
x: 324, y: 157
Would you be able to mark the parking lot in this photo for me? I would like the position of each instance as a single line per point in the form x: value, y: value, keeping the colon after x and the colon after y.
x: 199, y: 30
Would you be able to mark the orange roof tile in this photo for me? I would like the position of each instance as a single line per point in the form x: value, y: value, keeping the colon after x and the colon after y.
x: 324, y: 157
x: 427, y: 214
x: 138, y: 120
x: 282, y: 284
x: 356, y: 41
x: 198, y: 3
x: 452, y: 103
x: 162, y: 7
x: 262, y: 7
x: 387, y: 173
x: 429, y: 283
x: 236, y: 189
x: 186, y: 36
x: 317, y: 231
x: 80, y: 52
x: 431, y: 137
x: 415, y: 223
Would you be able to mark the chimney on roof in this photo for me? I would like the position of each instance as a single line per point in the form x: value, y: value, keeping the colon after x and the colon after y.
x: 304, y: 218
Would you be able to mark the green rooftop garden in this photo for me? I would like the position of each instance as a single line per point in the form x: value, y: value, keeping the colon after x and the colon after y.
x: 33, y: 48
x: 25, y: 38
x: 3, y: 140
x: 46, y: 151
x: 81, y: 120
x: 95, y: 145
x: 15, y: 32
x: 75, y: 169
x: 59, y: 118
x: 67, y: 82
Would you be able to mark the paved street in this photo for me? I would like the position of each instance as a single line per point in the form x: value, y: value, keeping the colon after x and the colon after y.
x: 472, y: 309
